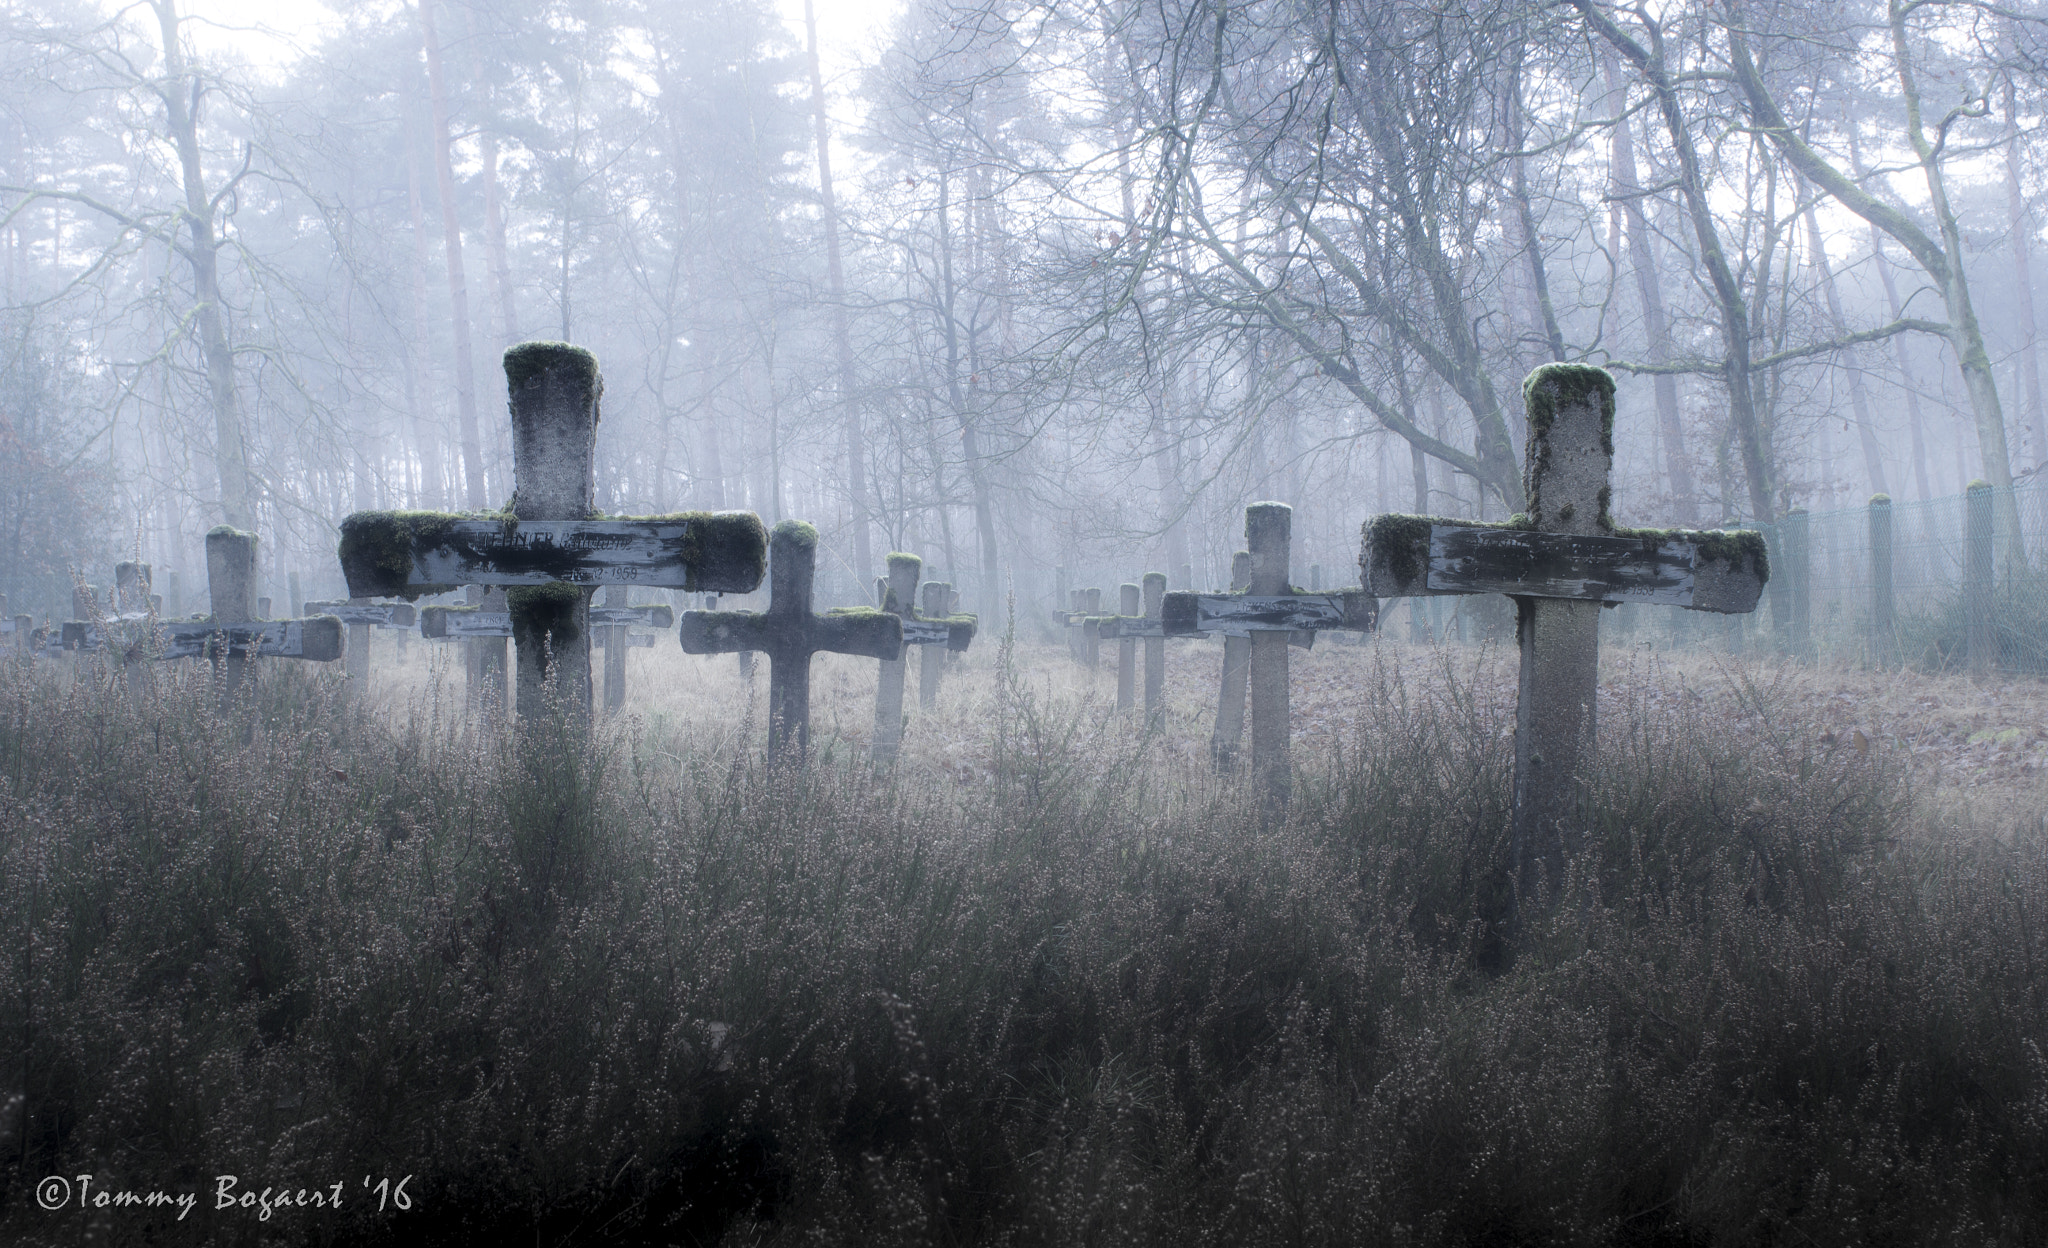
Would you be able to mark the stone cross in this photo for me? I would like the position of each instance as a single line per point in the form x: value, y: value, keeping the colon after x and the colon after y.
x: 790, y: 634
x: 940, y: 621
x: 1561, y: 563
x: 1132, y: 627
x: 1258, y: 624
x: 549, y: 551
x: 1129, y: 605
x: 359, y: 616
x: 1087, y: 607
x: 233, y: 632
x: 898, y: 594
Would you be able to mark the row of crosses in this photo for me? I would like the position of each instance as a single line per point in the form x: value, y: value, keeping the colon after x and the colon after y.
x: 1560, y: 562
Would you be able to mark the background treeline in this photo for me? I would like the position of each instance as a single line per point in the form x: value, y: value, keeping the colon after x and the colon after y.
x: 1038, y: 284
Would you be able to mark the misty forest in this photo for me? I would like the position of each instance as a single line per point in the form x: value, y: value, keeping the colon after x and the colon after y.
x: 1023, y: 622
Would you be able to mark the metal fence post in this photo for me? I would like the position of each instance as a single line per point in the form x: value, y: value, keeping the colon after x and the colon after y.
x: 1981, y: 645
x: 1883, y: 635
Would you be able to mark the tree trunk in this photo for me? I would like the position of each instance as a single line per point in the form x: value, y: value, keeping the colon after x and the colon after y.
x: 1859, y: 402
x: 2022, y: 270
x: 180, y: 95
x: 425, y: 432
x: 494, y: 216
x: 474, y: 489
x: 1642, y: 257
x: 1943, y: 261
x: 842, y: 342
x: 1727, y: 291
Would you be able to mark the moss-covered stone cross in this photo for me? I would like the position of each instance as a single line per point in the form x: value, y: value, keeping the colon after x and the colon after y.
x: 1561, y: 562
x: 233, y: 632
x: 790, y: 634
x: 550, y: 548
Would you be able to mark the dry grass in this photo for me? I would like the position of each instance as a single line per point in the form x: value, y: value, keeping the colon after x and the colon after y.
x: 1048, y: 982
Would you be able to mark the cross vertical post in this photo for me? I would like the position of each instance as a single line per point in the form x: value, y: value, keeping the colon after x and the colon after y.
x: 357, y: 657
x: 1155, y: 651
x: 931, y: 664
x: 1566, y: 463
x: 614, y: 653
x: 1796, y: 531
x: 899, y: 592
x: 1267, y: 529
x: 230, y: 588
x: 1883, y: 633
x: 1237, y: 655
x: 1091, y: 632
x: 1129, y: 603
x: 554, y: 389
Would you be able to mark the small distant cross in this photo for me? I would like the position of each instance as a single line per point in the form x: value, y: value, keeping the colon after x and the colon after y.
x: 1268, y: 616
x: 1561, y: 564
x: 233, y: 632
x: 789, y: 633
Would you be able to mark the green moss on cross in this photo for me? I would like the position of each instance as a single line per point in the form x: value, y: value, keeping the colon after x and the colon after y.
x: 376, y: 547
x: 1738, y: 548
x: 1553, y: 387
x: 545, y: 611
x: 1401, y: 542
x: 528, y: 360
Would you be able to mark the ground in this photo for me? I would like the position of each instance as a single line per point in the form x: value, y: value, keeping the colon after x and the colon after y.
x: 1984, y: 739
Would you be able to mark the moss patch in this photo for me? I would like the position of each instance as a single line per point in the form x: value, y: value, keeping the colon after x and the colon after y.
x: 1738, y: 548
x: 550, y: 611
x: 376, y: 550
x: 804, y: 535
x: 1400, y: 543
x: 528, y: 360
x: 1553, y: 387
x: 1880, y: 500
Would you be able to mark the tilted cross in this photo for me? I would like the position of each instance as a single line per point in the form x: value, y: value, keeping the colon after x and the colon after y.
x: 1561, y: 563
x: 549, y: 551
x: 790, y: 634
x: 1270, y: 616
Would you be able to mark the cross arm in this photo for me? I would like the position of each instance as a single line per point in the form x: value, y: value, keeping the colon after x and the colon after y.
x: 409, y: 553
x: 439, y: 621
x: 380, y: 614
x: 1722, y: 570
x: 1184, y: 614
x: 728, y: 632
x: 317, y: 639
x: 955, y: 632
x: 645, y: 615
x: 860, y: 630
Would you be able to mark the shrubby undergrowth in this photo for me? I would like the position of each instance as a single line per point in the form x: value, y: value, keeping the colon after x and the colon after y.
x: 639, y: 991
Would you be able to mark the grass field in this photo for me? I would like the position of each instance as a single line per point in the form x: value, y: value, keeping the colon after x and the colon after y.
x: 1049, y: 981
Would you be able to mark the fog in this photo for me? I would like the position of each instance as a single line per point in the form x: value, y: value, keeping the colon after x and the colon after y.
x: 1034, y: 291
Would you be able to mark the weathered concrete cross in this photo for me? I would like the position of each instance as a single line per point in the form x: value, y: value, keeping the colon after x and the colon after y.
x: 1561, y: 563
x: 1270, y: 615
x: 898, y: 592
x: 940, y: 614
x: 550, y: 550
x: 790, y: 634
x: 1140, y: 620
x: 360, y: 615
x: 233, y: 632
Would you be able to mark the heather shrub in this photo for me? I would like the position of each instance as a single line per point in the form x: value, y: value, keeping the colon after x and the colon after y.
x: 640, y: 989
